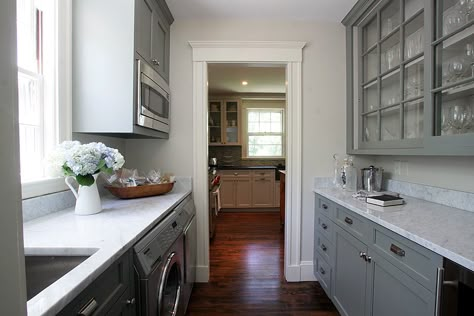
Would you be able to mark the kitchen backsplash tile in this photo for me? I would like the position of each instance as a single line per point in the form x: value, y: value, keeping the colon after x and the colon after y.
x: 232, y: 155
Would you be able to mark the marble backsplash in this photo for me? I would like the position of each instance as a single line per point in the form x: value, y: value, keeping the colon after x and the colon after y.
x: 232, y: 155
x: 451, y: 198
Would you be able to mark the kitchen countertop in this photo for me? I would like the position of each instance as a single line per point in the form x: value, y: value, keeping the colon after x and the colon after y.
x: 106, y: 236
x: 445, y: 230
x: 244, y: 167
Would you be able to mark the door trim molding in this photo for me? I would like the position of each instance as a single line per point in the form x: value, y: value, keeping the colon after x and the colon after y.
x: 289, y: 54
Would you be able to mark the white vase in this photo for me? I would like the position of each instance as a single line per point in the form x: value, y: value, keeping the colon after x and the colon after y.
x: 87, y: 197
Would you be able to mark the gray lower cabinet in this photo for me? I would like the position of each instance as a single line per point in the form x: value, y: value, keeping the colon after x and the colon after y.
x: 112, y: 293
x: 369, y: 270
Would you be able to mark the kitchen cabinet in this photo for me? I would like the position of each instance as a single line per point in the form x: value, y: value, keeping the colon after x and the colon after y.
x: 236, y: 189
x: 263, y: 186
x: 369, y: 270
x: 276, y: 198
x: 112, y: 293
x: 224, y: 122
x: 410, y: 78
x: 108, y: 38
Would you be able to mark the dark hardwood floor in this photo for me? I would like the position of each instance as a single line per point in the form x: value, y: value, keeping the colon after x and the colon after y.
x: 246, y: 273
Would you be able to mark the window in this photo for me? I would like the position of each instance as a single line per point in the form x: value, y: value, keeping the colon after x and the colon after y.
x: 43, y: 52
x: 265, y: 132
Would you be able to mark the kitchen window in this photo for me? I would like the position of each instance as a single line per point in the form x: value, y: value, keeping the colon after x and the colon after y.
x: 44, y: 63
x: 264, y: 132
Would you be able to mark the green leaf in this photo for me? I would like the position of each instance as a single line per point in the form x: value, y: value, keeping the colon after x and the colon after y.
x: 86, y: 180
x: 67, y: 171
x: 107, y: 170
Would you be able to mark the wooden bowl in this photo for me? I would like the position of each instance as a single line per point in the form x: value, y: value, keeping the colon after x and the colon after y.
x: 140, y: 191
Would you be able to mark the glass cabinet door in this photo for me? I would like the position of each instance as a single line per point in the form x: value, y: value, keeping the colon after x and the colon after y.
x: 232, y: 122
x: 392, y: 73
x: 215, y: 122
x: 453, y: 91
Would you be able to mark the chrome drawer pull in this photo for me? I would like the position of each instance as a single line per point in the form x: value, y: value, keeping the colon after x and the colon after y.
x: 348, y: 220
x: 323, y: 247
x: 323, y: 272
x: 363, y: 255
x: 397, y: 250
x: 324, y: 226
x: 89, y: 309
x: 325, y: 206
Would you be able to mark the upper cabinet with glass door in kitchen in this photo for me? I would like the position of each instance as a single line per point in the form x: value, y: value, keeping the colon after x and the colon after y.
x: 410, y: 77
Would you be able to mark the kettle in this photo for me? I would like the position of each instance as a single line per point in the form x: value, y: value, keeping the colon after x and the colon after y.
x: 371, y: 179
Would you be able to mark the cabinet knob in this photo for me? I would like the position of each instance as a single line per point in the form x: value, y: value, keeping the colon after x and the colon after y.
x: 130, y: 301
x: 363, y: 255
x: 323, y: 247
x: 324, y: 226
x: 325, y: 206
x: 155, y: 62
x: 323, y: 272
x: 236, y: 173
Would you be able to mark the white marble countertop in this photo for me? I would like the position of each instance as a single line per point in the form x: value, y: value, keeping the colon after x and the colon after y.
x: 106, y: 236
x: 445, y: 230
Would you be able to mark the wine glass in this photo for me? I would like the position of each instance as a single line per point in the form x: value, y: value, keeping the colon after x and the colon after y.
x: 469, y: 53
x: 456, y: 68
x: 461, y: 117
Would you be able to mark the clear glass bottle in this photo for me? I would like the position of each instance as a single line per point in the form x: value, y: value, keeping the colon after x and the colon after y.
x: 349, y: 174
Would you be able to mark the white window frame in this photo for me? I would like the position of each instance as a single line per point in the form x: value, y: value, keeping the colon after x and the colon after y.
x: 63, y: 97
x: 277, y: 103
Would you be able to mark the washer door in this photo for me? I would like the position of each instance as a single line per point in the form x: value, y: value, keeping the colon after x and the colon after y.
x: 169, y: 290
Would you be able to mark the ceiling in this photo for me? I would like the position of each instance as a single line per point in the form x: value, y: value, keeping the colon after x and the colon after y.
x: 307, y: 10
x: 227, y: 78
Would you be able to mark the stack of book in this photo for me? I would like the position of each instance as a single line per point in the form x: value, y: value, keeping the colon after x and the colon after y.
x: 385, y: 200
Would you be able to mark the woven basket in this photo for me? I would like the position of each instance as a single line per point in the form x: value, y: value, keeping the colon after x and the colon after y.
x: 141, y: 190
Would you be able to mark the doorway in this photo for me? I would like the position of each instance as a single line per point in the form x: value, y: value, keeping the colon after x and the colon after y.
x: 290, y: 55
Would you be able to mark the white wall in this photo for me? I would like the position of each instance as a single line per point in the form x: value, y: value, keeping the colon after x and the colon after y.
x: 454, y: 173
x: 324, y: 93
x: 12, y: 275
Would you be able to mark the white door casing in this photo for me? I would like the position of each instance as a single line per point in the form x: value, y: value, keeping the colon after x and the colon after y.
x: 270, y: 52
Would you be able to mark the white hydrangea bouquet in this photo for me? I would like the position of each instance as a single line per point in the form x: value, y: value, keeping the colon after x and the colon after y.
x: 83, y: 161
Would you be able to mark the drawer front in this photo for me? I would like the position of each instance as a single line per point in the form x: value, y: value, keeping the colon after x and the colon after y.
x: 353, y: 223
x: 105, y: 290
x: 264, y: 173
x: 323, y: 271
x: 326, y: 227
x: 418, y: 262
x: 324, y: 206
x: 325, y: 248
x: 235, y: 173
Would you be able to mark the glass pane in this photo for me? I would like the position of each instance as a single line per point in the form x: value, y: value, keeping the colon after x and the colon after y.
x: 414, y: 37
x: 370, y: 65
x: 413, y: 120
x: 231, y: 106
x: 231, y: 119
x: 390, y: 17
x: 412, y: 7
x: 215, y: 129
x: 414, y: 80
x: 265, y: 146
x: 231, y: 134
x: 454, y: 15
x: 390, y: 123
x: 391, y: 89
x: 456, y: 56
x: 370, y: 97
x: 214, y: 106
x: 370, y: 131
x: 455, y: 111
x: 369, y: 34
x: 390, y: 54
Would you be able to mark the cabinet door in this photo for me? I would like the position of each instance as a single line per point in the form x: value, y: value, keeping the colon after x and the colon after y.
x: 232, y: 123
x: 262, y: 192
x: 143, y: 22
x: 160, y: 45
x: 276, y: 195
x: 394, y: 293
x: 125, y: 306
x: 227, y: 192
x: 350, y: 274
x: 215, y: 122
x: 243, y: 193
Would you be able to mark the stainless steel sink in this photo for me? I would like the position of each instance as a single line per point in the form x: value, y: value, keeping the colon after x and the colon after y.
x: 44, y: 270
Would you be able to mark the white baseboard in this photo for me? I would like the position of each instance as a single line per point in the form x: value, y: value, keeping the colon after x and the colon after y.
x: 293, y: 273
x: 202, y: 274
x: 307, y: 273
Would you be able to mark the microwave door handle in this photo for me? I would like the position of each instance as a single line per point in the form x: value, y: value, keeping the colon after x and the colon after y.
x: 139, y: 93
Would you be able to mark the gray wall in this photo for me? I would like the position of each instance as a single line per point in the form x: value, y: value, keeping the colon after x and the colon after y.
x: 456, y: 173
x: 12, y: 275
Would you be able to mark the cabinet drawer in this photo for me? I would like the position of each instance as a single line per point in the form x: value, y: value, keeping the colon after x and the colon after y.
x: 324, y: 206
x: 235, y: 173
x: 322, y: 271
x: 263, y: 173
x: 324, y: 247
x: 105, y: 290
x: 326, y: 227
x: 416, y: 261
x: 353, y: 223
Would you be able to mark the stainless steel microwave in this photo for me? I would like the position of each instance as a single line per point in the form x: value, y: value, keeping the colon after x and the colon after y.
x: 153, y: 99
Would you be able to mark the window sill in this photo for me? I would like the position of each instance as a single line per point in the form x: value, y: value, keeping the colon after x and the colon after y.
x: 42, y: 187
x: 263, y: 158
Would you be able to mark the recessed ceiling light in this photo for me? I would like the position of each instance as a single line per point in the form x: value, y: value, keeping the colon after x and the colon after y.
x: 244, y: 83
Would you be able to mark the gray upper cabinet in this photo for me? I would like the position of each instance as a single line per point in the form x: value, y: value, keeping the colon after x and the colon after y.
x: 108, y: 37
x: 410, y: 84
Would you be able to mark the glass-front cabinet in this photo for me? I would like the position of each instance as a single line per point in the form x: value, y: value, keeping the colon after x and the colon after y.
x: 410, y: 74
x: 224, y: 122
